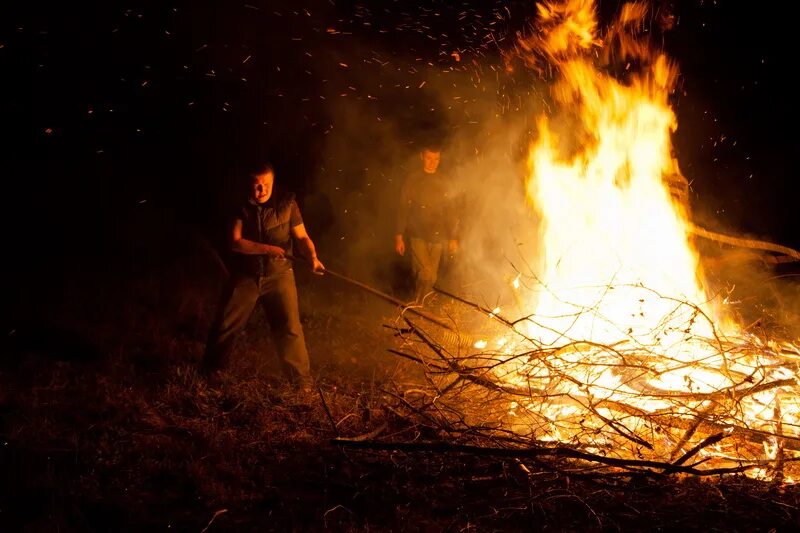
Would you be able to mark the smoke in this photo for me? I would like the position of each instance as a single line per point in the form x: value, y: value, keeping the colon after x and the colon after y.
x: 384, y: 102
x: 384, y: 96
x: 499, y: 228
x: 483, y: 158
x: 760, y: 287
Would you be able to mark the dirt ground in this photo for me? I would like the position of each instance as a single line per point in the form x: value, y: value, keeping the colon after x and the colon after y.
x: 106, y: 425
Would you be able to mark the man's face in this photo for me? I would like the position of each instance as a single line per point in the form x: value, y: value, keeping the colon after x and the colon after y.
x: 262, y: 186
x: 430, y: 160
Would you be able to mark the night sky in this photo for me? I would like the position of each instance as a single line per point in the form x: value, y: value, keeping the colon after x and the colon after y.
x: 124, y: 121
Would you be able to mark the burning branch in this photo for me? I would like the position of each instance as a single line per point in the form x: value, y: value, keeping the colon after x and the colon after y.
x: 563, y: 401
x: 619, y: 356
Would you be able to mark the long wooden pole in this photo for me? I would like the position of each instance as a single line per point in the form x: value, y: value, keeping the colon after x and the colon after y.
x: 389, y: 298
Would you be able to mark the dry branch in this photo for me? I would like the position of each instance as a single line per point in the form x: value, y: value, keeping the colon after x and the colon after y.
x: 559, y: 452
x: 631, y: 418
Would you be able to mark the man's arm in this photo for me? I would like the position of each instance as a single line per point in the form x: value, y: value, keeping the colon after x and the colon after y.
x: 453, y: 211
x: 307, y: 248
x: 246, y: 246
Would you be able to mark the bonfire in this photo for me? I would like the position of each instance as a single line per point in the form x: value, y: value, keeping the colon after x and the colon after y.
x: 619, y: 357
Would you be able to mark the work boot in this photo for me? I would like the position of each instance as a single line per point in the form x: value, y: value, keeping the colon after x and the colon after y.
x: 305, y: 384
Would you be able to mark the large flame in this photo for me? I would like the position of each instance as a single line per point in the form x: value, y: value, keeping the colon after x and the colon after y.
x: 625, y: 336
x: 610, y: 226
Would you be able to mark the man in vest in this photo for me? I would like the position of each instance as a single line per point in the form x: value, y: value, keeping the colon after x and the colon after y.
x: 261, y: 238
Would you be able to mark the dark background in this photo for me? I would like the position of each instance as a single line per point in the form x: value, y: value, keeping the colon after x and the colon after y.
x: 126, y: 125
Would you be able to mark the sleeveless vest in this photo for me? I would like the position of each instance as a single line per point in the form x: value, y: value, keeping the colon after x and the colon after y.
x: 267, y: 223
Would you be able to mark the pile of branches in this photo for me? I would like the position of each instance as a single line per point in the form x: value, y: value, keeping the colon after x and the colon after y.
x: 620, y: 408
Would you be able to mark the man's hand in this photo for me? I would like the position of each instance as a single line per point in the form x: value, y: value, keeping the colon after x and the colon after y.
x: 452, y: 246
x: 399, y: 245
x: 317, y: 267
x: 275, y: 252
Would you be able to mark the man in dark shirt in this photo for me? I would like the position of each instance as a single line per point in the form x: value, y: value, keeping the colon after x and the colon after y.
x: 261, y: 237
x: 427, y: 216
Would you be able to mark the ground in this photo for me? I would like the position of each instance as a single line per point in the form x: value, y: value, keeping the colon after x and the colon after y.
x: 105, y: 424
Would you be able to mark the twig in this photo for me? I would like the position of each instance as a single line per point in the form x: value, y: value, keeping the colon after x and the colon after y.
x: 474, y: 306
x: 779, y: 452
x: 366, y: 436
x: 561, y: 451
x: 691, y: 430
x: 621, y: 429
x: 708, y: 441
x: 454, y: 367
x: 569, y: 397
x: 753, y: 244
x: 328, y: 411
x: 416, y: 359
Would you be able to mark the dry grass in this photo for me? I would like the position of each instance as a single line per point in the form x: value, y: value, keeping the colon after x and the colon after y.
x: 133, y: 438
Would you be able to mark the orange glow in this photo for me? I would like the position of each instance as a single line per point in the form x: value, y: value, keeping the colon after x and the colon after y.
x: 622, y: 315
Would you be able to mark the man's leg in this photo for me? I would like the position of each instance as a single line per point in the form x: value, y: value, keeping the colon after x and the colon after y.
x: 283, y: 312
x: 233, y: 313
x: 435, y: 255
x: 425, y: 258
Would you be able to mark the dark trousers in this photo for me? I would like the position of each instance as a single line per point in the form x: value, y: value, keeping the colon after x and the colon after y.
x: 278, y: 295
x: 425, y: 259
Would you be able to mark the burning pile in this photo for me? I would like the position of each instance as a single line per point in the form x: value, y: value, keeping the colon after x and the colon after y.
x: 621, y: 357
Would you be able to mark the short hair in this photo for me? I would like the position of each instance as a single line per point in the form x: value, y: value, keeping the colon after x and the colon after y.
x: 431, y: 146
x: 261, y: 168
